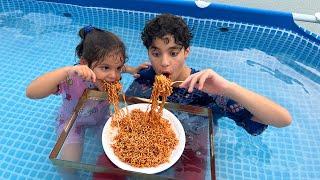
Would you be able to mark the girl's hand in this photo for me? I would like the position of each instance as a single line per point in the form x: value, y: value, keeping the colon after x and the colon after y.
x: 207, y: 81
x: 83, y: 71
x: 100, y: 85
x: 134, y: 70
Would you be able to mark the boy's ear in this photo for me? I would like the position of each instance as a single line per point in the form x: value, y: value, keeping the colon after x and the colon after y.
x: 186, y: 52
x: 83, y: 61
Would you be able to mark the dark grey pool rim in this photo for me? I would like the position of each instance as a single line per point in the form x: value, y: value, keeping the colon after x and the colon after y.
x: 276, y: 19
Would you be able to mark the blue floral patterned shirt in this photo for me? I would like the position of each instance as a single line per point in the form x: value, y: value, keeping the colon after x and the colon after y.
x: 220, y: 105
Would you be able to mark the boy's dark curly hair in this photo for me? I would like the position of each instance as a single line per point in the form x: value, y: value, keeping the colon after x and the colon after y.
x: 166, y: 24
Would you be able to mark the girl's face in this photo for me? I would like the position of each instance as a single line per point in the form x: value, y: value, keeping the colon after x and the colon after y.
x: 168, y: 58
x: 109, y: 69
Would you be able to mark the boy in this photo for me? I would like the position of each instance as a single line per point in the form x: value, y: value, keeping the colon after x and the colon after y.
x: 167, y: 39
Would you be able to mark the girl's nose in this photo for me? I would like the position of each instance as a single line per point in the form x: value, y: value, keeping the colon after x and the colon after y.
x: 112, y: 76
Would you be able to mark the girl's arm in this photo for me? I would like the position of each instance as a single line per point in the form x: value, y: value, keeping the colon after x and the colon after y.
x: 264, y: 110
x: 47, y: 84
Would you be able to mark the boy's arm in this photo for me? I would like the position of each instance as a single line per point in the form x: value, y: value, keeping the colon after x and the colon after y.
x: 47, y: 84
x: 264, y: 110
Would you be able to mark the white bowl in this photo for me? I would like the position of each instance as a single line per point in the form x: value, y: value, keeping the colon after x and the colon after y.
x: 109, y: 133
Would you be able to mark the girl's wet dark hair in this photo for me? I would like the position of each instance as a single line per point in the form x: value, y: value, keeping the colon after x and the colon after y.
x: 166, y: 24
x: 96, y: 44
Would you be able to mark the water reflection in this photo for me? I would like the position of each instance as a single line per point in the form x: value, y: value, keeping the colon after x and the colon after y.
x: 277, y: 74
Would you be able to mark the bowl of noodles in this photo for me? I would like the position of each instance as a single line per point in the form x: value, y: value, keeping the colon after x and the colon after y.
x: 136, y: 142
x: 145, y: 138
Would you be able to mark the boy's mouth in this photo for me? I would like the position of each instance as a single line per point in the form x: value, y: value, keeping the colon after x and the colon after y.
x: 167, y: 74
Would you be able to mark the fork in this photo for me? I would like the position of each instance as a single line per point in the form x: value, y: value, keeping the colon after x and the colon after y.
x: 176, y: 82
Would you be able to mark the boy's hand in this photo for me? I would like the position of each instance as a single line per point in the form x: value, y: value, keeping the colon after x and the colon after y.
x: 207, y: 81
x: 83, y: 71
x: 134, y: 70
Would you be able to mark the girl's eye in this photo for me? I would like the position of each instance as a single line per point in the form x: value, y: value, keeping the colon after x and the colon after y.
x: 105, y: 68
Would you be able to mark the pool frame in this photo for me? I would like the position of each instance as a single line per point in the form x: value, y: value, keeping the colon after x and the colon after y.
x: 218, y: 11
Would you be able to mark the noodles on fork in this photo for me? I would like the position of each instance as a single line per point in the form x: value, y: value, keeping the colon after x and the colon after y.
x: 161, y: 88
x: 113, y: 89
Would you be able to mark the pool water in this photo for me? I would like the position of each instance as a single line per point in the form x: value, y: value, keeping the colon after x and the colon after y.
x: 37, y: 37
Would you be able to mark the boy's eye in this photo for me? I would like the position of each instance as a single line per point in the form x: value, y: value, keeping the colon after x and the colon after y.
x: 119, y: 68
x: 155, y: 54
x: 174, y: 53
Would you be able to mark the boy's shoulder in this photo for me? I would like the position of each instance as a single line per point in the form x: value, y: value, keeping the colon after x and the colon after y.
x: 140, y: 87
x: 147, y: 74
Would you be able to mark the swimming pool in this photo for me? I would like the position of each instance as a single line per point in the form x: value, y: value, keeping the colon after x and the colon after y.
x: 283, y: 65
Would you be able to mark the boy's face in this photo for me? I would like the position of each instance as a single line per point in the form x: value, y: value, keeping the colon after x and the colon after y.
x: 168, y: 58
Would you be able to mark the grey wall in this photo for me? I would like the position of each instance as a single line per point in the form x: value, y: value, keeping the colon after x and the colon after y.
x: 297, y: 6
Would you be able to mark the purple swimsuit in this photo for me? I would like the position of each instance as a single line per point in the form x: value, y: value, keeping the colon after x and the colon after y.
x: 93, y: 113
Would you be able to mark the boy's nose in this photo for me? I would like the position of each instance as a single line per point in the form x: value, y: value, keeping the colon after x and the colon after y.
x: 165, y: 60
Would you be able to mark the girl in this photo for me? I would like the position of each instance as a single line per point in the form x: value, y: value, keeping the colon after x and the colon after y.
x: 102, y: 57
